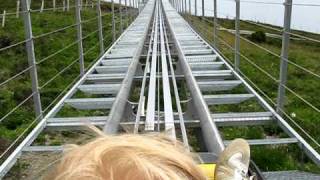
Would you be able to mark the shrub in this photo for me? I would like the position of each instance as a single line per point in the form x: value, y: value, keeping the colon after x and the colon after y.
x: 258, y: 36
x: 12, y: 124
x: 5, y: 41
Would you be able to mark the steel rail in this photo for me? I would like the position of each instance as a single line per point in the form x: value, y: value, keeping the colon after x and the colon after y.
x: 210, y: 132
x: 150, y: 116
x: 274, y: 79
x: 270, y: 99
x: 309, y: 150
x: 159, y: 76
x: 158, y: 87
x: 274, y: 54
x: 264, y: 94
x: 176, y: 93
x: 9, y: 162
x: 168, y: 112
x: 144, y: 80
x: 120, y: 102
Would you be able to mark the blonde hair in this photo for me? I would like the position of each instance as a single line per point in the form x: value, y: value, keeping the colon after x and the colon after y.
x: 122, y: 157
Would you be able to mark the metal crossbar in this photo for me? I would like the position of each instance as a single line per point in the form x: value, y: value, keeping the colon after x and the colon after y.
x: 178, y: 26
x: 161, y: 56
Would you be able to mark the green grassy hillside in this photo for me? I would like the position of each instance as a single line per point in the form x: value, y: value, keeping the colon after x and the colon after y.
x: 304, y: 53
x: 56, y: 69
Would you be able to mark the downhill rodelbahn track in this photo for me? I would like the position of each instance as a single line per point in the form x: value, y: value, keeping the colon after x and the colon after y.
x: 158, y: 54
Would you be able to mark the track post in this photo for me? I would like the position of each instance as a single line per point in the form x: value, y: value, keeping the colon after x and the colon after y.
x: 63, y: 5
x: 113, y: 23
x: 176, y: 4
x: 120, y: 12
x: 53, y: 5
x: 190, y: 7
x: 127, y: 15
x: 18, y: 9
x: 215, y: 24
x: 195, y: 7
x: 4, y: 18
x: 79, y: 36
x: 237, y: 37
x: 100, y: 27
x: 42, y: 6
x: 182, y: 6
x: 284, y: 56
x: 68, y: 5
x: 202, y: 8
x: 31, y: 57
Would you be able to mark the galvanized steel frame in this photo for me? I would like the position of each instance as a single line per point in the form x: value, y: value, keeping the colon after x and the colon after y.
x: 12, y: 158
x: 284, y: 56
x: 210, y: 132
x: 150, y: 116
x: 309, y: 150
x: 119, y: 104
x: 25, y: 5
x: 168, y: 112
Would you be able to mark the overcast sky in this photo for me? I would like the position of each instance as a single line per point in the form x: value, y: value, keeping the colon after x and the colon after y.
x: 303, y: 17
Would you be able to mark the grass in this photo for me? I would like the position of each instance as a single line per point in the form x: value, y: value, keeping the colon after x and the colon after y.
x: 14, y: 60
x: 59, y: 70
x: 262, y: 69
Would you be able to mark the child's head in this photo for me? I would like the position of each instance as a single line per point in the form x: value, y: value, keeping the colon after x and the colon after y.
x: 128, y: 157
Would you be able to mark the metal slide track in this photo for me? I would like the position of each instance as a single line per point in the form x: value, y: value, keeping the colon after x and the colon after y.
x: 108, y: 81
x: 157, y: 55
x: 212, y: 83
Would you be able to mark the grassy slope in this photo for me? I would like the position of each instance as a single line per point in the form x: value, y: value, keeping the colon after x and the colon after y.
x: 303, y: 53
x: 14, y: 60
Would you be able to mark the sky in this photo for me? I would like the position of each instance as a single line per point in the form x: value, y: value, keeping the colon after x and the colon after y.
x: 305, y: 18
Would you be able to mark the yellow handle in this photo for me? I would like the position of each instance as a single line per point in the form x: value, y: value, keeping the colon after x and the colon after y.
x: 208, y: 170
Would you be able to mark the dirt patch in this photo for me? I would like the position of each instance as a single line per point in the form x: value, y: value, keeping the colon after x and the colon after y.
x: 36, y: 165
x: 33, y: 165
